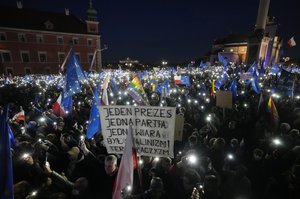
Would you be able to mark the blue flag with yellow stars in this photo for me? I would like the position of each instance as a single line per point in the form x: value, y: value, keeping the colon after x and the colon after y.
x: 73, y: 76
x: 6, y: 172
x: 94, y: 120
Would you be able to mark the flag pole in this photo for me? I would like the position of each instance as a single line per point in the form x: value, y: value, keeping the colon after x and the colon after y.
x: 66, y: 58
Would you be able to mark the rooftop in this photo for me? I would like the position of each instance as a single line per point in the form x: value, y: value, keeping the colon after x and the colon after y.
x: 13, y: 17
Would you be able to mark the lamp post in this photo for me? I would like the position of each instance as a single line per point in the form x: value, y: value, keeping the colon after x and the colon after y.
x: 164, y: 63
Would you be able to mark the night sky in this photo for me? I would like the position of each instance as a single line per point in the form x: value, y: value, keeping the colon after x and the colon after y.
x: 175, y: 30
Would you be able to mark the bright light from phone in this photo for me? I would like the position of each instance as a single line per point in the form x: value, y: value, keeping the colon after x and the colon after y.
x: 129, y: 188
x: 192, y: 159
x: 81, y: 137
x: 33, y: 193
x: 277, y: 141
x: 230, y: 156
x: 42, y: 119
x: 208, y: 118
x: 25, y: 155
x: 156, y: 159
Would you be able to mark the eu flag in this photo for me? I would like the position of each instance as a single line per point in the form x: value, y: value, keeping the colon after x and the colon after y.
x: 185, y: 80
x: 254, y: 83
x: 6, y: 172
x: 223, y: 60
x: 202, y: 65
x: 222, y: 79
x: 67, y: 103
x: 73, y: 76
x: 94, y: 120
x: 114, y: 86
x: 233, y: 88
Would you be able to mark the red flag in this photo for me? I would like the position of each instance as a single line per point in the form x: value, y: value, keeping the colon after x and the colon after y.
x: 292, y: 42
x: 19, y: 116
x: 124, y: 179
x: 57, y: 108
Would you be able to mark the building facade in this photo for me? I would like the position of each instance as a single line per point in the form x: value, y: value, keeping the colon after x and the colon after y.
x: 262, y: 45
x: 37, y: 42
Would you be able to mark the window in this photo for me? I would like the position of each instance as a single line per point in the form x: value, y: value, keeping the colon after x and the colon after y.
x: 89, y: 42
x: 9, y: 71
x: 92, y: 29
x: 75, y: 41
x: 61, y: 57
x: 78, y: 56
x: 2, y: 36
x: 25, y: 56
x: 39, y: 39
x: 48, y: 25
x: 27, y: 70
x: 21, y: 37
x: 90, y: 57
x: 5, y: 56
x: 47, y: 71
x: 42, y: 56
x: 60, y: 40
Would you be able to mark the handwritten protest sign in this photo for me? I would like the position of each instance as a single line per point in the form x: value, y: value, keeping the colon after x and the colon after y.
x: 153, y: 128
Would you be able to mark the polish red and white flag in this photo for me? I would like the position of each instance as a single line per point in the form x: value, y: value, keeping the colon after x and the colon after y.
x: 292, y: 42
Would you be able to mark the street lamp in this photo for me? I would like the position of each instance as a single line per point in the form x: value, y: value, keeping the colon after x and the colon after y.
x: 164, y: 63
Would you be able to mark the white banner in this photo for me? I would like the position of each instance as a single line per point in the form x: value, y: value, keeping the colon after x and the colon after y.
x: 153, y: 128
x: 246, y: 76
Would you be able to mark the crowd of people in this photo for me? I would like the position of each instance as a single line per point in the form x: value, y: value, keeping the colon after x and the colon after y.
x: 236, y: 154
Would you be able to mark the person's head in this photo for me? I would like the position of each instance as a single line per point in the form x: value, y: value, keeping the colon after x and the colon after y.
x: 152, y: 172
x: 294, y: 133
x: 190, y: 179
x: 73, y: 153
x: 257, y: 154
x: 219, y: 143
x: 156, y: 187
x: 27, y: 158
x: 234, y: 143
x: 231, y: 124
x: 211, y: 142
x: 110, y: 164
x: 165, y: 163
x: 80, y: 185
x: 51, y: 137
x: 284, y: 128
x: 193, y: 140
x: 21, y: 189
